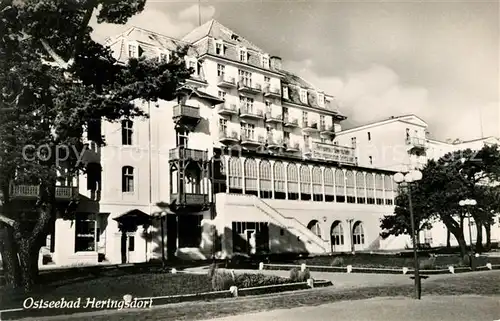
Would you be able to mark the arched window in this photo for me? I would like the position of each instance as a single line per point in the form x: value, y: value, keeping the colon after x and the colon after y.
x: 305, y: 183
x: 358, y: 234
x: 127, y: 179
x: 337, y: 233
x: 315, y: 228
x: 293, y: 182
x: 317, y: 186
x: 379, y: 189
x: 127, y: 131
x: 265, y: 179
x: 329, y: 185
x: 389, y: 191
x: 349, y: 181
x: 360, y: 187
x: 235, y: 175
x: 279, y: 180
x: 250, y: 176
x: 340, y: 186
x: 370, y: 188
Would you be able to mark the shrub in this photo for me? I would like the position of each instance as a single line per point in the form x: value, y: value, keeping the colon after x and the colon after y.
x: 212, y: 270
x: 249, y: 280
x: 338, y: 261
x: 294, y: 275
x: 222, y: 280
x: 304, y: 275
x: 428, y: 263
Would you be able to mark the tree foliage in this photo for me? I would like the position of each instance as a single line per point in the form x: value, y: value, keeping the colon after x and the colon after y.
x: 56, y: 82
x: 456, y: 176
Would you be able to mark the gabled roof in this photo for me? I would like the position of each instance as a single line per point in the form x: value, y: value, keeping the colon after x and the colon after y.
x: 216, y: 30
x: 411, y: 118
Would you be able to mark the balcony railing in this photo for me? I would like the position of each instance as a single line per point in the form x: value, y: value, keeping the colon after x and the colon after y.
x: 181, y: 111
x: 32, y: 191
x: 182, y: 153
x: 310, y: 127
x: 327, y: 130
x: 270, y: 118
x: 330, y: 152
x: 416, y: 142
x: 274, y: 142
x: 226, y: 81
x: 249, y: 87
x: 251, y: 140
x: 189, y: 199
x: 272, y: 92
x: 228, y: 109
x: 225, y: 135
x: 290, y: 122
x: 250, y: 112
x: 291, y: 146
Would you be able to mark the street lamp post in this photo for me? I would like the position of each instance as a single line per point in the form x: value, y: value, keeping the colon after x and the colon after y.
x: 161, y: 215
x: 463, y: 203
x: 407, y: 179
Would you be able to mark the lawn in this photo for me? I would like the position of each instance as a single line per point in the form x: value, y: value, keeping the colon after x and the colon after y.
x: 479, y: 283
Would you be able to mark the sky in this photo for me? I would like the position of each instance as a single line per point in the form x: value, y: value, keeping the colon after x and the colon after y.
x: 438, y: 60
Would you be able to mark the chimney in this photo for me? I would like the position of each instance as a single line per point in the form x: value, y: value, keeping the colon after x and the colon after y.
x: 275, y: 63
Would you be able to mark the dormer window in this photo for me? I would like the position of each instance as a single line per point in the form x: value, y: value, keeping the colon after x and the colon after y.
x: 321, y: 99
x: 133, y: 50
x: 219, y: 47
x: 163, y: 56
x: 243, y: 55
x: 285, y: 92
x: 303, y: 96
x: 193, y: 63
x: 265, y: 61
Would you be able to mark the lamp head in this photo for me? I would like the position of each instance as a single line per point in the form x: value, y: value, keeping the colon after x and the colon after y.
x: 399, y: 178
x: 461, y: 203
x: 416, y: 175
x: 473, y: 202
x: 408, y: 177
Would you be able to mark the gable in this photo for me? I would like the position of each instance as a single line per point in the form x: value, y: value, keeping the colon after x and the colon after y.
x: 414, y: 120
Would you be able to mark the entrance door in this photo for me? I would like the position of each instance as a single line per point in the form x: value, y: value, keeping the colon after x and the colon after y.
x: 171, y: 235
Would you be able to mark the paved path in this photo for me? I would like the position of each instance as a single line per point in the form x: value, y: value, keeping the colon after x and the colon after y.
x: 442, y: 308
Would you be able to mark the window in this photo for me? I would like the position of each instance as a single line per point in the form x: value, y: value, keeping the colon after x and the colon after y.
x: 245, y: 77
x: 131, y: 243
x: 303, y: 96
x: 358, y: 234
x: 265, y: 61
x: 246, y: 103
x: 321, y: 99
x: 222, y: 94
x: 127, y: 131
x: 286, y: 135
x: 219, y: 48
x: 267, y: 80
x: 369, y: 136
x: 315, y: 228
x: 305, y: 118
x: 127, y: 179
x: 407, y: 133
x: 85, y: 232
x: 268, y: 106
x: 220, y: 70
x: 285, y: 92
x: 133, y: 50
x: 248, y: 130
x: 243, y: 55
x: 353, y: 142
x: 223, y: 125
x: 182, y: 138
x: 194, y: 65
x: 370, y: 158
x: 163, y: 57
x: 306, y: 140
x: 337, y: 233
x: 324, y: 140
x: 322, y: 122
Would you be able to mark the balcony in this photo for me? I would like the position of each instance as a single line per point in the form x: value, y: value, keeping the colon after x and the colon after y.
x: 250, y: 140
x: 290, y: 122
x: 327, y: 130
x: 228, y: 109
x: 247, y: 87
x: 416, y: 143
x: 185, y: 114
x: 274, y: 143
x: 291, y: 146
x: 272, y: 92
x: 310, y: 128
x: 330, y: 152
x: 189, y: 199
x: 226, y: 82
x: 251, y: 113
x: 227, y: 137
x: 270, y: 118
x: 33, y: 191
x: 182, y: 153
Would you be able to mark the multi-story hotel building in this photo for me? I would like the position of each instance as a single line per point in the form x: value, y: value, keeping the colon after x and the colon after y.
x: 262, y: 144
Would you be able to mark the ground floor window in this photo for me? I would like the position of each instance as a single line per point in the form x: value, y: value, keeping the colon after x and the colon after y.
x: 189, y: 230
x: 358, y: 234
x: 85, y: 232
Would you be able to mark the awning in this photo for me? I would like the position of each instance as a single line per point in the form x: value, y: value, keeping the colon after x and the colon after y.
x: 193, y: 91
x: 134, y: 216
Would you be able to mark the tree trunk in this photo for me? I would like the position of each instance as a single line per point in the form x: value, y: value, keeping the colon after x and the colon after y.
x: 10, y: 260
x: 479, y: 237
x: 448, y: 238
x: 456, y: 228
x: 28, y: 257
x: 123, y: 247
x: 487, y: 227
